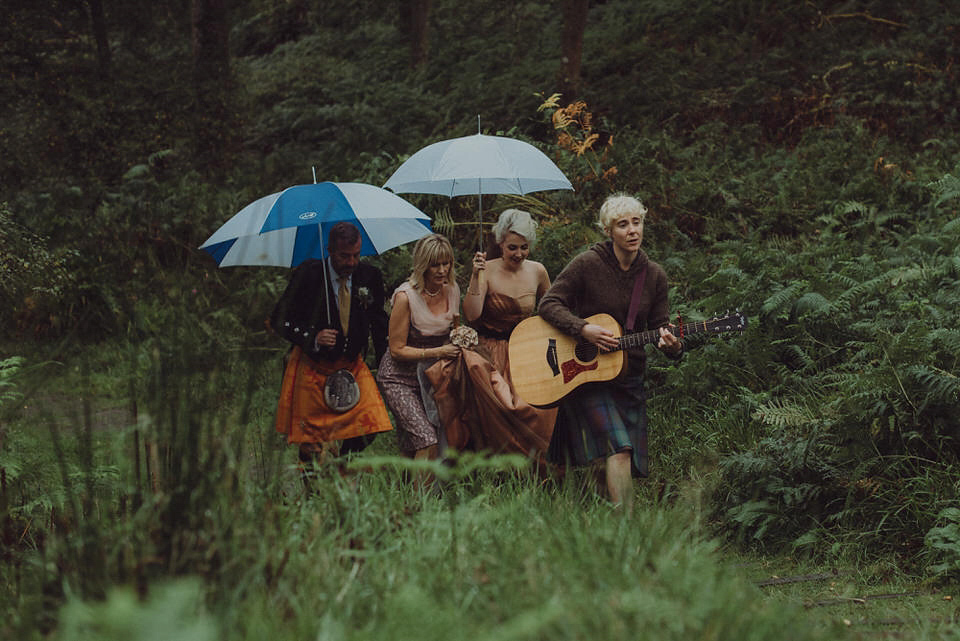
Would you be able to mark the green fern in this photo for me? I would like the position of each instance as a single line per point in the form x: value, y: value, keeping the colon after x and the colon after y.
x: 944, y: 541
x: 443, y: 222
x: 853, y: 207
x: 945, y: 189
x: 946, y: 339
x: 812, y: 303
x: 952, y: 227
x: 939, y: 386
x: 798, y: 357
x: 9, y: 368
x: 777, y: 305
x: 783, y: 413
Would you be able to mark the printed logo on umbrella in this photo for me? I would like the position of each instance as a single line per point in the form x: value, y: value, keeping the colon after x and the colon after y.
x: 308, y: 215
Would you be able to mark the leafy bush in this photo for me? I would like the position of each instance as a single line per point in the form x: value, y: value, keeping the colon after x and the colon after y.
x: 944, y: 540
x: 34, y: 280
x: 861, y: 396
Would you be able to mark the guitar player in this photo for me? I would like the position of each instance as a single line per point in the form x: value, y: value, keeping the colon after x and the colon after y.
x: 608, y: 420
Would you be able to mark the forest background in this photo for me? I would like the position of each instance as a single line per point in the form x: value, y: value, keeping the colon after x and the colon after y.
x: 801, y: 164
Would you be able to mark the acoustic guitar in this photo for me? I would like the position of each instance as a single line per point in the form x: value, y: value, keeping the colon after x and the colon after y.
x: 546, y: 364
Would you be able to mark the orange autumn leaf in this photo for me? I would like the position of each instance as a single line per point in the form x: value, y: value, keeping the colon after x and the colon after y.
x: 549, y: 103
x: 586, y: 144
x: 560, y: 119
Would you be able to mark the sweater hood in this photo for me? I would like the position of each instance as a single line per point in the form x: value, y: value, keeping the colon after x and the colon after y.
x: 605, y: 251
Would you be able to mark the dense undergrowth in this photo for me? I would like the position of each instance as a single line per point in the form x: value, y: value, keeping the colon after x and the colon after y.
x: 801, y: 164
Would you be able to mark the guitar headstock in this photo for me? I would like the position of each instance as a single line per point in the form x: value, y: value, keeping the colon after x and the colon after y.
x: 735, y: 322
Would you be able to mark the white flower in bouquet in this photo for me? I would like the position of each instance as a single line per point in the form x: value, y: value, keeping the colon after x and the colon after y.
x: 464, y: 336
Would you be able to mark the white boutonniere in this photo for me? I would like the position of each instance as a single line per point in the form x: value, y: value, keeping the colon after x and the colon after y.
x: 364, y: 297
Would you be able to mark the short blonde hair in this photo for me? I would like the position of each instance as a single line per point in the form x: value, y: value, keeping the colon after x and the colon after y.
x: 617, y: 206
x: 516, y: 221
x: 428, y: 251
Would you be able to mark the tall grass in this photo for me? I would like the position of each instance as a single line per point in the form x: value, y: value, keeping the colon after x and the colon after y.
x: 375, y: 559
x: 221, y: 538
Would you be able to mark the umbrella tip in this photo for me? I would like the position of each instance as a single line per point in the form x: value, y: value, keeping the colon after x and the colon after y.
x: 478, y: 124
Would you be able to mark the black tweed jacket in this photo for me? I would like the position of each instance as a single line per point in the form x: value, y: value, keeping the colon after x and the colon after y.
x: 302, y: 312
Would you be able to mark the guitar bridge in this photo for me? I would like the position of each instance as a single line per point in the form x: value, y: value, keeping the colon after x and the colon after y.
x: 552, y: 356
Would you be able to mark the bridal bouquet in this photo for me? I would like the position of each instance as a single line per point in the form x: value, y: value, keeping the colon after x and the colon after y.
x: 464, y: 336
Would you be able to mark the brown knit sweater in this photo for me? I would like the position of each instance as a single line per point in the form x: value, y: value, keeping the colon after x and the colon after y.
x: 593, y: 283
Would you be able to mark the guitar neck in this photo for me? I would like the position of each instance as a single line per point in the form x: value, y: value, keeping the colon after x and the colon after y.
x: 639, y: 339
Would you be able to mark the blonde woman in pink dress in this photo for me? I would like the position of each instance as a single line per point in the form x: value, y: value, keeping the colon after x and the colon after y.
x: 425, y: 309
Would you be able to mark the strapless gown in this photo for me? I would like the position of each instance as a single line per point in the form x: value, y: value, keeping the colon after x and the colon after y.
x: 478, y: 406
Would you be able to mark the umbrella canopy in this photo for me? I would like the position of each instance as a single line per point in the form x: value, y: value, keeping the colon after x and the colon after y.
x: 476, y: 165
x: 290, y: 226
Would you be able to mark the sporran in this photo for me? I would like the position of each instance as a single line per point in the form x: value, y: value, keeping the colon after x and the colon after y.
x: 341, y: 392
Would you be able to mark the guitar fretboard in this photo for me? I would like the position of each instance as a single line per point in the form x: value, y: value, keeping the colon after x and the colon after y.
x: 638, y: 339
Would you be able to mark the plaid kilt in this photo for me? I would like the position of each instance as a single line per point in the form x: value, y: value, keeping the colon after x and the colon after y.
x: 601, y: 419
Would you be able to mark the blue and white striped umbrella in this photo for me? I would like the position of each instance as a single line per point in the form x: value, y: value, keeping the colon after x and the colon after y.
x: 290, y: 226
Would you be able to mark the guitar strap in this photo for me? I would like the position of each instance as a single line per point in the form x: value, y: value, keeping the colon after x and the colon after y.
x: 635, y: 298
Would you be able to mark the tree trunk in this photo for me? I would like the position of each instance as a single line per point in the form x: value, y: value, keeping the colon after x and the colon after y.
x: 98, y: 24
x: 571, y: 44
x: 211, y: 81
x: 416, y: 16
x: 211, y: 46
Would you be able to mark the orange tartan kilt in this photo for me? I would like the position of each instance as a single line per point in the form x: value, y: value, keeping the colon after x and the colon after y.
x: 303, y: 415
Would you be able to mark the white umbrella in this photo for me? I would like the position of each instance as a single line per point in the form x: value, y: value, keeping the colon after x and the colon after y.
x: 477, y: 165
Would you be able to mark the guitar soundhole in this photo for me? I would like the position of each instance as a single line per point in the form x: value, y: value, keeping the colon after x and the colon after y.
x: 585, y: 351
